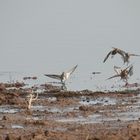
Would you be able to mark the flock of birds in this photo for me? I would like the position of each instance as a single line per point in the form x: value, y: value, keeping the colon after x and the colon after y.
x: 122, y: 73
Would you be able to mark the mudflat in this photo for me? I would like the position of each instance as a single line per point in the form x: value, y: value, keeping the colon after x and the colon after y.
x: 70, y: 115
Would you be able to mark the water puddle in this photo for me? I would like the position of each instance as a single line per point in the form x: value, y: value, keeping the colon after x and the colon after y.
x: 1, y: 126
x: 36, y: 117
x: 53, y: 109
x: 52, y: 99
x: 98, y: 118
x: 16, y: 126
x: 129, y: 116
x: 9, y: 109
x: 56, y: 129
x: 82, y: 120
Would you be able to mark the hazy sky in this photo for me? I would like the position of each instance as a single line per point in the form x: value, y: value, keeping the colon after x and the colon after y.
x: 53, y: 35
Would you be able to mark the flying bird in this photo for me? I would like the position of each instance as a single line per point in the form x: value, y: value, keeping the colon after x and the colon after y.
x: 64, y: 76
x: 127, y: 56
x: 123, y: 73
x: 114, y: 52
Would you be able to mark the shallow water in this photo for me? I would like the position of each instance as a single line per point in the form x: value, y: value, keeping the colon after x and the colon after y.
x: 130, y: 113
x: 82, y: 78
x: 99, y: 118
x: 9, y: 109
x: 16, y: 126
x: 53, y: 109
x: 81, y: 119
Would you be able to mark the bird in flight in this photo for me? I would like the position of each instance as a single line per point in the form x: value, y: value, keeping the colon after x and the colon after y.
x: 123, y: 73
x: 64, y: 76
x: 127, y: 56
x: 114, y: 52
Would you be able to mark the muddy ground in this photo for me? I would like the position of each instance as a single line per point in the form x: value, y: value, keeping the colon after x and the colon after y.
x: 70, y: 115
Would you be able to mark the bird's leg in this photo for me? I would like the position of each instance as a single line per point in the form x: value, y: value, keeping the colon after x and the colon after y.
x: 63, y: 87
x: 126, y: 82
x: 116, y: 69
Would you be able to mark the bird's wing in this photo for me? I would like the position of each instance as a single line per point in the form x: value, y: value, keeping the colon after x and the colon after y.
x: 125, y: 59
x: 122, y: 53
x: 72, y: 70
x: 118, y: 75
x: 107, y: 56
x: 130, y: 71
x: 119, y: 49
x: 134, y: 55
x: 117, y: 69
x: 128, y: 67
x: 53, y: 76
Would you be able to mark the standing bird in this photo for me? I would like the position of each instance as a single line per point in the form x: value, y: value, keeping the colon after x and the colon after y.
x: 114, y: 52
x: 127, y: 56
x: 123, y: 73
x: 64, y: 76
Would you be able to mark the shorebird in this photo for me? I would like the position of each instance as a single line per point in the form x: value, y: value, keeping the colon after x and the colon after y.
x: 127, y: 57
x: 114, y: 52
x: 64, y: 76
x: 123, y: 73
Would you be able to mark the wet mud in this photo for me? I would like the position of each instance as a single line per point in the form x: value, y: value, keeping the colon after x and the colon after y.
x: 70, y: 115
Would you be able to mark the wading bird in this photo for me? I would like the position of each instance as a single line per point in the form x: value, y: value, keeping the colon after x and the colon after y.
x: 64, y: 76
x: 123, y: 73
x: 114, y: 52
